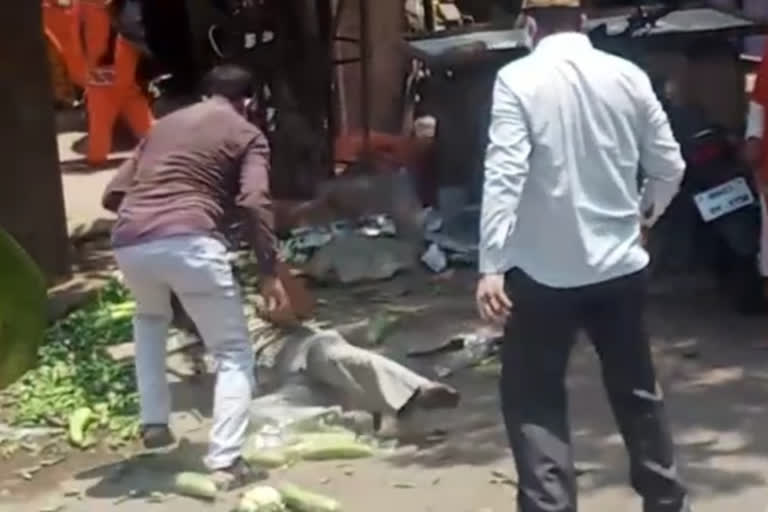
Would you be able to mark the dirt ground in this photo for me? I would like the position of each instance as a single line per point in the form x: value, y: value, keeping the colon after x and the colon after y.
x: 716, y: 385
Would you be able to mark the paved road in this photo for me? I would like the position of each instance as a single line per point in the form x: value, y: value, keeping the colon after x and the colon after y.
x: 82, y: 187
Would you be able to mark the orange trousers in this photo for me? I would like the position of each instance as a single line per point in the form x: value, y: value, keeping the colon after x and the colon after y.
x: 111, y: 91
x: 118, y: 95
x: 62, y: 31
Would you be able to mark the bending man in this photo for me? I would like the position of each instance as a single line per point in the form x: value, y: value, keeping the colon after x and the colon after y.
x: 172, y: 199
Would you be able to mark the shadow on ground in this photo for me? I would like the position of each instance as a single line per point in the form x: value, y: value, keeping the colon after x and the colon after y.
x: 143, y: 475
x: 716, y: 386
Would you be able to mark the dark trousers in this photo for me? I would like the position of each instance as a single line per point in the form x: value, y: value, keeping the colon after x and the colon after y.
x: 534, y: 400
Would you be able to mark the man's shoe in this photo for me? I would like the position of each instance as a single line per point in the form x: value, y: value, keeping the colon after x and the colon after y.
x: 437, y: 396
x: 238, y: 475
x: 156, y: 436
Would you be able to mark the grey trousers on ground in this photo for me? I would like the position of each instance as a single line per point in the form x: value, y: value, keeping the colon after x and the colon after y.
x: 365, y: 380
x: 534, y: 399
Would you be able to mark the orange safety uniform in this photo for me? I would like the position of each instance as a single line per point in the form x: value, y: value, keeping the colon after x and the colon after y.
x: 111, y: 89
x: 60, y: 32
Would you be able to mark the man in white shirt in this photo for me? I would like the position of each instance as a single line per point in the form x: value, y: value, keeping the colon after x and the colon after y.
x: 756, y: 152
x: 562, y: 244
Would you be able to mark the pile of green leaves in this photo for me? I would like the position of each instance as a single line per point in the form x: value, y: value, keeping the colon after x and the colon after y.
x: 75, y: 370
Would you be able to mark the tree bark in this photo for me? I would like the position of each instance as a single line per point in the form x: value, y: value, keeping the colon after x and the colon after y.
x: 31, y: 194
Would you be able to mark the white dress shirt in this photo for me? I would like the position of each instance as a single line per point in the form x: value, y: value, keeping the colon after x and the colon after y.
x: 570, y: 127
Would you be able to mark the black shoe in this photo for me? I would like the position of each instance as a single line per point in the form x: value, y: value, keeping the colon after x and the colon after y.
x: 238, y: 475
x: 156, y: 436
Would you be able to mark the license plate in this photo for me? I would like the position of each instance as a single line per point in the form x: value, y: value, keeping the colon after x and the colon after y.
x: 724, y: 199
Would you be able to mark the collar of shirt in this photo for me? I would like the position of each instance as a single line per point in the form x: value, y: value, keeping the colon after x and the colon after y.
x: 563, y: 43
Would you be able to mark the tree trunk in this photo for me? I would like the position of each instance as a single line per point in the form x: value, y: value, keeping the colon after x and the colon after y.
x: 31, y: 195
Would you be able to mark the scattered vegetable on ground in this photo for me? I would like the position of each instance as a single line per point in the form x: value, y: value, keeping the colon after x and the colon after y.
x: 261, y: 499
x: 300, y: 500
x: 76, y: 373
x: 195, y: 485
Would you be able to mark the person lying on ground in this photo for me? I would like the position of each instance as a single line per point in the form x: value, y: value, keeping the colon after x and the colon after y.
x: 356, y: 378
x: 360, y: 379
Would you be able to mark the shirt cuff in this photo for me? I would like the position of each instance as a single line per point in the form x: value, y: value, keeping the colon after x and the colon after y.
x: 657, y: 196
x: 494, y: 261
x: 755, y: 121
x: 267, y: 263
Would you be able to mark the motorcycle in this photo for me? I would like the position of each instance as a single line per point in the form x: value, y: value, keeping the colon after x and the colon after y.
x: 713, y: 225
x: 714, y: 222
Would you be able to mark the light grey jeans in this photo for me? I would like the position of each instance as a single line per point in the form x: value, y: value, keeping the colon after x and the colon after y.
x: 197, y: 270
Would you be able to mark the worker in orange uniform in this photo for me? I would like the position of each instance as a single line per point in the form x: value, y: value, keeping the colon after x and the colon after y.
x: 756, y: 151
x: 111, y: 87
x: 60, y: 31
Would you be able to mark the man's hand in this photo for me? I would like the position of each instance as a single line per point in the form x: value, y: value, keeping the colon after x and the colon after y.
x: 492, y: 301
x: 275, y: 296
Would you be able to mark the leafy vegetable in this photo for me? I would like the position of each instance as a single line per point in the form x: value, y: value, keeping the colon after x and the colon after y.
x: 76, y: 371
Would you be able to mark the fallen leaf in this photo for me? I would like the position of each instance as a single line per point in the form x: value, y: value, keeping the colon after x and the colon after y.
x: 403, y: 485
x: 32, y: 448
x: 28, y: 473
x: 157, y: 497
x: 52, y: 462
x: 500, y: 477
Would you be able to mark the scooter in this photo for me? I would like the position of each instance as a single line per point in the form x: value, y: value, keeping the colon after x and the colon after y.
x: 714, y: 222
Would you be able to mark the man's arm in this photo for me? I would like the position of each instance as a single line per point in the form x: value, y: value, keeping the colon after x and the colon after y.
x: 506, y: 170
x: 755, y: 121
x: 255, y: 199
x: 753, y: 147
x: 660, y: 156
x: 753, y: 136
x: 119, y: 185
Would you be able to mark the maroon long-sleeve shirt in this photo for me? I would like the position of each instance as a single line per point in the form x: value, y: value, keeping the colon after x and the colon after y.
x: 191, y: 172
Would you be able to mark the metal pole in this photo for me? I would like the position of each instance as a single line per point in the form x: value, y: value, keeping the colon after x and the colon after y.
x: 365, y: 77
x: 326, y: 22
